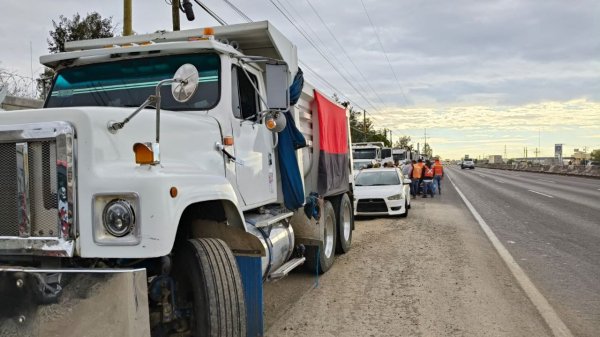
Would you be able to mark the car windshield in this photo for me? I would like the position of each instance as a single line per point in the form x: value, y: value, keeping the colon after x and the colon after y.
x: 128, y: 83
x: 377, y: 178
x: 364, y: 153
x: 360, y: 165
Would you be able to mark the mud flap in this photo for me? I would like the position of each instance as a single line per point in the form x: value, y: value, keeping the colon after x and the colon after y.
x: 68, y: 302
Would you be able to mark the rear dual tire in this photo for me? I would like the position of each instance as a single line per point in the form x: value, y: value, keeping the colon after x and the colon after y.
x: 344, y: 222
x: 319, y: 259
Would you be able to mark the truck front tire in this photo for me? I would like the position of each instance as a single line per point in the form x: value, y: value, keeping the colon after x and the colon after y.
x: 320, y: 259
x: 344, y: 222
x: 209, y: 278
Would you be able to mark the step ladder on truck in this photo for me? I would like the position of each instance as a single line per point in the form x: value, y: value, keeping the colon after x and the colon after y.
x: 166, y: 178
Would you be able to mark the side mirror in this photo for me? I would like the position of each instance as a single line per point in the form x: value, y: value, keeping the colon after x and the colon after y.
x: 185, y: 83
x: 278, y: 95
x: 407, y: 181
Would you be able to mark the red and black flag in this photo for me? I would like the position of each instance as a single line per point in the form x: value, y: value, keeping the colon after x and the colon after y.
x: 333, y: 141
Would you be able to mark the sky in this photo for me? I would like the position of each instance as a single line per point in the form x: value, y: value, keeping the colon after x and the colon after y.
x: 482, y: 77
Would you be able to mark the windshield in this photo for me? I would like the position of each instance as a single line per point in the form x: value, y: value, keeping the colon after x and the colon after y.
x: 399, y: 156
x: 377, y: 178
x: 128, y: 83
x: 364, y: 153
x: 386, y: 153
x: 360, y: 165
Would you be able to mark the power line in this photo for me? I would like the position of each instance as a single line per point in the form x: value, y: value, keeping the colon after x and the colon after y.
x: 384, y: 52
x: 324, y: 46
x: 331, y: 86
x: 317, y: 49
x: 344, y: 51
x: 237, y: 10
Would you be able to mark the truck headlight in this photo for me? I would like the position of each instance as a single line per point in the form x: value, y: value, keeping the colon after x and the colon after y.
x: 395, y: 197
x: 118, y: 217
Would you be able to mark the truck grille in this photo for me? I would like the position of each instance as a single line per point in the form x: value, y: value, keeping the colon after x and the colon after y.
x: 41, y: 191
x: 36, y: 163
x: 371, y: 205
x: 9, y: 225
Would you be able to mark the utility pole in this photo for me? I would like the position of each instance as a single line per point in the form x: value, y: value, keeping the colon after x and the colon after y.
x: 175, y: 14
x: 505, y: 152
x: 391, y: 140
x: 365, y: 124
x: 127, y: 28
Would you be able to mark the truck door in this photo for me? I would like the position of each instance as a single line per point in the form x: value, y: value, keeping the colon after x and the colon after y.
x: 253, y: 143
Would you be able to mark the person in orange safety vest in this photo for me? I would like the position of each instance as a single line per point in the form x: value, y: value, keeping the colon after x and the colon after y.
x: 438, y: 171
x: 416, y: 176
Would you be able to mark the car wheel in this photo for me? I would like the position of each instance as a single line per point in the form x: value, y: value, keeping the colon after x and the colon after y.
x: 405, y: 214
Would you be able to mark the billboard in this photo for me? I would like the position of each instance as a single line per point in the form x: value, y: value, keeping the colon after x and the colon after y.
x: 558, y: 151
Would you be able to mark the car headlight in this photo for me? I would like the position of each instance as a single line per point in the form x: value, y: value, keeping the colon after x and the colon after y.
x: 395, y: 197
x: 118, y: 217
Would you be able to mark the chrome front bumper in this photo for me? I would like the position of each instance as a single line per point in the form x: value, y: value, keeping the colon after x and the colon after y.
x: 73, y: 302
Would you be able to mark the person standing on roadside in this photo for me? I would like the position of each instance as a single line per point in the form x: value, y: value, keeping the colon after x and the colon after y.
x: 428, y: 179
x: 407, y: 169
x: 417, y: 176
x: 438, y: 174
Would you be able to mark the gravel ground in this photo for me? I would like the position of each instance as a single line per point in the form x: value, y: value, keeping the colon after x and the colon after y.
x: 432, y: 274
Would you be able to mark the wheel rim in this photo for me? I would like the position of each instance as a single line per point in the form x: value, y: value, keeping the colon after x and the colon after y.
x: 329, y: 228
x: 346, y: 226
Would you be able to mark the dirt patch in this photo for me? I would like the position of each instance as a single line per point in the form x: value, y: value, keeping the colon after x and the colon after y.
x: 433, y: 274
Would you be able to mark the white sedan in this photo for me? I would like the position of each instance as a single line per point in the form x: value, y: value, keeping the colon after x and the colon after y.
x: 381, y: 191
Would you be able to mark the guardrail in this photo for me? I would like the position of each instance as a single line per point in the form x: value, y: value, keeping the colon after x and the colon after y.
x: 574, y: 170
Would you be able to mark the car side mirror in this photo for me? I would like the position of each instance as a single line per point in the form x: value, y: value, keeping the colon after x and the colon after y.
x: 278, y: 95
x: 407, y: 181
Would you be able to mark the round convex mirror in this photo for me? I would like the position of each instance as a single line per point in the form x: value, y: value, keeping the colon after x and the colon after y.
x: 185, y: 84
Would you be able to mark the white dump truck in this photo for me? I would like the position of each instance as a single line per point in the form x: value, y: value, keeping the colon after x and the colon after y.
x: 166, y: 178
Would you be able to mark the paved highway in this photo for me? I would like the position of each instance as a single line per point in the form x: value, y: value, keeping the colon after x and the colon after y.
x: 551, y: 226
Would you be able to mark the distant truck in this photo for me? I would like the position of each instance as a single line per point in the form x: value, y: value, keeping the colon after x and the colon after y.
x: 367, y: 150
x: 169, y: 219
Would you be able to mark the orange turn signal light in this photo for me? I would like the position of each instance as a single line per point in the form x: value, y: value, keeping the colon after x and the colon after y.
x: 143, y: 154
x: 228, y: 140
x: 173, y: 192
x: 270, y: 123
x: 208, y: 31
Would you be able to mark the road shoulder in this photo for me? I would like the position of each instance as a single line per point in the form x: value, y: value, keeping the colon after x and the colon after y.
x: 433, y: 274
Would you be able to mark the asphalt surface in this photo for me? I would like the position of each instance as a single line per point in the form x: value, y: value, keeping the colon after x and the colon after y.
x: 551, y: 226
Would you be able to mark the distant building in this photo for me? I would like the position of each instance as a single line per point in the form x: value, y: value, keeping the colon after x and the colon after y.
x: 580, y: 157
x: 495, y: 159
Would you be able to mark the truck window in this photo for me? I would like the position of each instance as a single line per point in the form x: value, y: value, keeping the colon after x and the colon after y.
x: 245, y: 99
x: 127, y: 83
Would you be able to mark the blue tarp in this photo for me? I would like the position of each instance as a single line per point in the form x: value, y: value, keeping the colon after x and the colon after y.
x: 291, y: 139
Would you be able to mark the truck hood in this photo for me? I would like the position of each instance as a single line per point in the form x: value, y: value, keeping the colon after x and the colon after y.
x: 185, y: 141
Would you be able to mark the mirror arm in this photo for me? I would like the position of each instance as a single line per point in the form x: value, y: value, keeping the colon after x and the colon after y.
x: 113, y: 127
x: 253, y: 85
x: 157, y: 95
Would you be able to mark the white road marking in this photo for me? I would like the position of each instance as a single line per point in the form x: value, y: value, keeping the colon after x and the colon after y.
x: 548, y: 181
x: 500, y: 181
x: 540, y: 193
x: 550, y: 316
